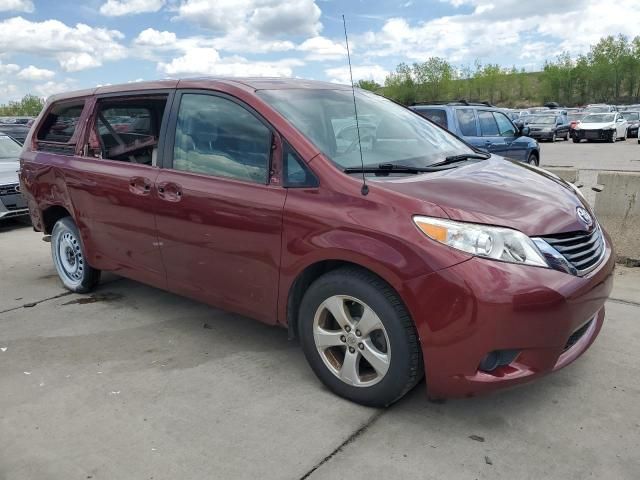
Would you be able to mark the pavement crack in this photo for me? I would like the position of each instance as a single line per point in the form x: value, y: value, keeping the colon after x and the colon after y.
x: 373, y: 419
x: 624, y: 302
x: 33, y: 304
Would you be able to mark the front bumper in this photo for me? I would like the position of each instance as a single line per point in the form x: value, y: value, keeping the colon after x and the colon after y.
x: 12, y: 203
x: 541, y: 135
x: 601, y: 134
x: 480, y: 306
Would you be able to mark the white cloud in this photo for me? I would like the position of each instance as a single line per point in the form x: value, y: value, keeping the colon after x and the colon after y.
x: 16, y: 6
x: 75, y: 48
x: 321, y: 48
x: 114, y: 8
x: 267, y: 18
x: 50, y: 88
x: 504, y: 29
x: 154, y: 38
x: 35, y: 73
x: 360, y: 72
x: 207, y: 61
x: 8, y: 68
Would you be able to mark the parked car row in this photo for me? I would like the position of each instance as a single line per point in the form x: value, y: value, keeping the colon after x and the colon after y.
x: 16, y: 127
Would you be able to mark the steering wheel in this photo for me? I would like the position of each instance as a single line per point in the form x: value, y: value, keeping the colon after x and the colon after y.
x: 354, y: 144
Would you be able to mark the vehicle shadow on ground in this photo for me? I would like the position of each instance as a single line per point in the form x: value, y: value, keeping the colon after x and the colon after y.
x: 11, y: 224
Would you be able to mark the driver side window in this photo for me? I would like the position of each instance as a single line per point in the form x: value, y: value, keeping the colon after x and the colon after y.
x: 505, y: 127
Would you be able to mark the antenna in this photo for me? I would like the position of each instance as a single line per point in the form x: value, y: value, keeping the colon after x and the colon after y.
x: 365, y: 187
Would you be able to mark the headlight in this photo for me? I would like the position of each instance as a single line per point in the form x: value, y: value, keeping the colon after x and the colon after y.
x: 484, y: 241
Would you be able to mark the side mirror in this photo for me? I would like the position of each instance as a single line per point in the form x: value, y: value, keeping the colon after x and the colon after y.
x: 524, y: 131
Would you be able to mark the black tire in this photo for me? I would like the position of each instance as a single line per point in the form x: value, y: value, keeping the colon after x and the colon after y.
x: 566, y: 137
x: 533, y: 160
x: 405, y: 367
x: 69, y: 258
x: 613, y: 137
x: 554, y: 138
x: 576, y: 140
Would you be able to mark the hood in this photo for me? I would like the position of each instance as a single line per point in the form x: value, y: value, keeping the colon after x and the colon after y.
x: 9, y: 171
x: 498, y: 192
x: 595, y: 126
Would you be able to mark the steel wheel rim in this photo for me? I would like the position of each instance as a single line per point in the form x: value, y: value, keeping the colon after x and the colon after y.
x: 68, y: 257
x: 351, y: 341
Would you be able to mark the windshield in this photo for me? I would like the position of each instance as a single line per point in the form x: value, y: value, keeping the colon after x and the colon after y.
x: 575, y: 116
x: 389, y: 133
x: 598, y: 109
x: 543, y: 119
x: 9, y: 149
x: 631, y: 115
x: 598, y: 118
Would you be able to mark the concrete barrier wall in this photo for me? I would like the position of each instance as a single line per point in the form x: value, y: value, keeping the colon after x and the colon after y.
x: 618, y: 209
x: 617, y: 205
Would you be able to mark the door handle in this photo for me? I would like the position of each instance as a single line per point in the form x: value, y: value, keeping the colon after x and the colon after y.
x: 170, y: 191
x: 140, y: 185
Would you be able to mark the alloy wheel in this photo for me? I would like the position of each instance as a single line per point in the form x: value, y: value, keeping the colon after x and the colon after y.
x: 352, y: 341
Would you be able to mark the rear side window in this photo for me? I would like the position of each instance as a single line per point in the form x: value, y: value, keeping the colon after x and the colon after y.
x: 488, y: 125
x: 128, y: 129
x: 60, y: 123
x: 467, y: 121
x: 216, y: 136
x: 436, y: 115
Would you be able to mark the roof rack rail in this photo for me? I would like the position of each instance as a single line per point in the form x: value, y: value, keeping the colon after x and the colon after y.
x: 454, y: 103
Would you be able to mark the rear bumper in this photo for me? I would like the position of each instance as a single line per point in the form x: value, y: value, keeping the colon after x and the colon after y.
x: 480, y: 306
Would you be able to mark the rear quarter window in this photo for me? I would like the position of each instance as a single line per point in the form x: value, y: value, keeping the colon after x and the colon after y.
x: 436, y: 115
x: 58, y: 128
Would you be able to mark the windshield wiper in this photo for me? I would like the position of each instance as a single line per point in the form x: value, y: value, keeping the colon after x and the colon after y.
x: 384, y: 169
x: 461, y: 158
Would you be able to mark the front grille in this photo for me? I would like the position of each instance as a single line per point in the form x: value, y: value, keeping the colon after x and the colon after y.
x: 10, y: 189
x: 583, y: 250
x: 577, y: 335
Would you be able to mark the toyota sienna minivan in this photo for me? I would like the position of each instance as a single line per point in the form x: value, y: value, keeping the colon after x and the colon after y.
x: 389, y: 247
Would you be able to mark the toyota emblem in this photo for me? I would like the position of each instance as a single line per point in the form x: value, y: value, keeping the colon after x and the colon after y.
x: 585, y: 216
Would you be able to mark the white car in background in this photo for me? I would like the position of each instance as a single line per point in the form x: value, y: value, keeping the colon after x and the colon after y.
x: 12, y: 203
x: 608, y: 127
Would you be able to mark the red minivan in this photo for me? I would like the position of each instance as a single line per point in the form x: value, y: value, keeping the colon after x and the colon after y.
x: 389, y: 247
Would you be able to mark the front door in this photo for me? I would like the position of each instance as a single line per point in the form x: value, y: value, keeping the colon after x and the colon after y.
x: 490, y: 132
x: 219, y: 215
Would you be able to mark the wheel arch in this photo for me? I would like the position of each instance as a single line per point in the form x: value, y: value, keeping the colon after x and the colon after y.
x: 51, y: 215
x: 315, y: 270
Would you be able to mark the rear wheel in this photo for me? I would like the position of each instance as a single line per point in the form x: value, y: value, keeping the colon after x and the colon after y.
x: 533, y: 160
x: 69, y: 258
x: 358, y: 337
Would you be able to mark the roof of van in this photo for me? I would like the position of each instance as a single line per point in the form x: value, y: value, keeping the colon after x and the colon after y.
x: 249, y: 83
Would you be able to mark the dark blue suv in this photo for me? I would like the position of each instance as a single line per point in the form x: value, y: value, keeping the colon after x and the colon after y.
x: 486, y: 128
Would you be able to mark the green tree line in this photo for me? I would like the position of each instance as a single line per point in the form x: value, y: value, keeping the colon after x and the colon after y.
x: 609, y: 72
x: 29, y: 106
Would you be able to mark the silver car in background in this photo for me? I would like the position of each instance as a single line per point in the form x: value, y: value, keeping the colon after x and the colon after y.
x: 12, y: 203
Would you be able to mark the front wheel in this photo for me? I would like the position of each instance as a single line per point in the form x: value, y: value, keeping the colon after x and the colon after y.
x: 614, y: 136
x: 554, y: 138
x: 358, y: 337
x: 69, y: 258
x: 566, y: 137
x: 533, y: 160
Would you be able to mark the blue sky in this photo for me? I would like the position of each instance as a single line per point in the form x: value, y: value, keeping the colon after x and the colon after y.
x: 48, y: 46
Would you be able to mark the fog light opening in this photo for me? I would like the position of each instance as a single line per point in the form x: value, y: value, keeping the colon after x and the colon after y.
x: 497, y: 358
